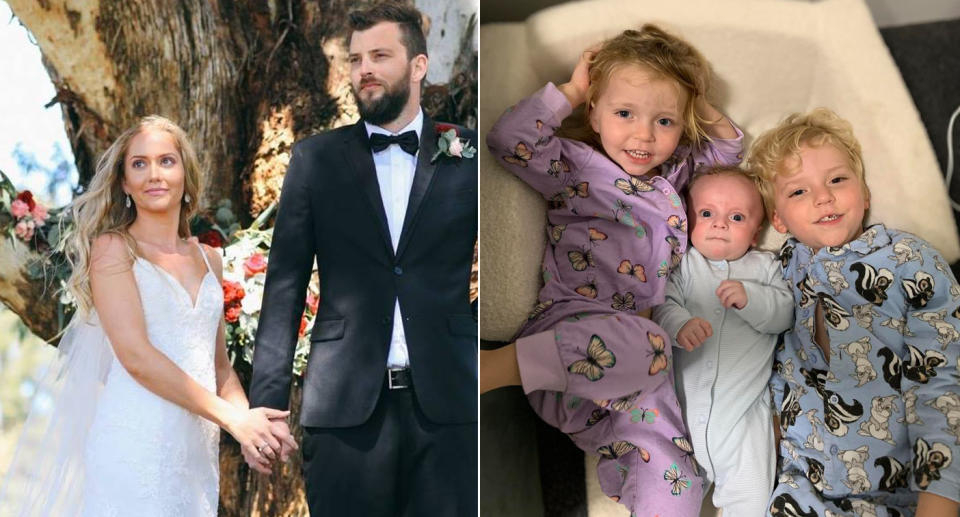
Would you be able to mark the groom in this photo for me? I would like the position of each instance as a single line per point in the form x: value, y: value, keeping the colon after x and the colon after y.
x: 389, y: 406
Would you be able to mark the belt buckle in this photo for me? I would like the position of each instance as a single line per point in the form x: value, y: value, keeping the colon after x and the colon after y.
x: 395, y: 385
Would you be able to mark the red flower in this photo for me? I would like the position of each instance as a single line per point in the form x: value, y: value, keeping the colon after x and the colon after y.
x: 211, y: 238
x: 232, y: 313
x: 232, y: 292
x: 27, y: 198
x: 303, y: 325
x: 443, y: 128
x: 255, y: 264
x: 313, y: 301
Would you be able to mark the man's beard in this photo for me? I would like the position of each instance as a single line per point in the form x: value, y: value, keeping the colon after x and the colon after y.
x: 389, y: 106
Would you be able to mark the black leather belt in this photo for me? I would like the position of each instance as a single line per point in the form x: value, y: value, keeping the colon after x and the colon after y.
x: 399, y: 378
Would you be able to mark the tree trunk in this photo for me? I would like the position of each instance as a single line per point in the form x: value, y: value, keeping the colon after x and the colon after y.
x: 245, y: 79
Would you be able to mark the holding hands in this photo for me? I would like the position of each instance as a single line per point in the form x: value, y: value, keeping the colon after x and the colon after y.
x: 263, y: 435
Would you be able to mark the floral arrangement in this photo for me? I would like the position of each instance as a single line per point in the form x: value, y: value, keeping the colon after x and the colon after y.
x: 244, y: 272
x: 450, y: 144
x: 22, y: 217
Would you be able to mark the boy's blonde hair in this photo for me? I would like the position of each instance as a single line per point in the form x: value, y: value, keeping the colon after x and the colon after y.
x: 774, y: 147
x: 665, y: 56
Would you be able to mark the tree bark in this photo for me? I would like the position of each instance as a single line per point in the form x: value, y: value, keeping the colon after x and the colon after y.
x: 245, y: 79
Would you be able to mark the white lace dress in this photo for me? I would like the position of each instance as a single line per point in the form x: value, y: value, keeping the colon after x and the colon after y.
x: 146, y: 456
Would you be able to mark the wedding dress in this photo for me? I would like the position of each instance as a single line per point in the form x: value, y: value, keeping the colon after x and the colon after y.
x: 108, y: 446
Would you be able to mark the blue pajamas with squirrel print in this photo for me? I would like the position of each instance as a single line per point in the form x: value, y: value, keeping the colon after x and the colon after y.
x: 864, y: 432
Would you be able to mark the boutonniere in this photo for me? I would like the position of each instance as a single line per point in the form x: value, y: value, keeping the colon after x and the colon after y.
x: 450, y: 144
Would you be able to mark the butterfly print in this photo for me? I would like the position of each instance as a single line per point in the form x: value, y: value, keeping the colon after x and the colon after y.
x: 624, y: 302
x: 598, y: 358
x: 596, y: 416
x: 596, y: 235
x: 557, y: 201
x: 677, y: 223
x: 521, y: 154
x: 644, y: 415
x: 634, y: 270
x: 633, y: 186
x: 684, y: 445
x: 556, y: 232
x: 588, y: 289
x: 616, y: 449
x: 578, y: 190
x: 539, y: 309
x: 557, y: 167
x: 678, y: 483
x: 658, y: 350
x: 581, y: 259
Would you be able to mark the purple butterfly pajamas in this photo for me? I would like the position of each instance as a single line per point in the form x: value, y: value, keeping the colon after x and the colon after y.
x: 591, y: 365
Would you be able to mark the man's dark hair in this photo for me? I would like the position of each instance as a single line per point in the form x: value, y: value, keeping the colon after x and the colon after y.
x: 407, y: 17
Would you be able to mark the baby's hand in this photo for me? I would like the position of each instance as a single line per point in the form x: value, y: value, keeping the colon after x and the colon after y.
x: 693, y: 333
x: 576, y: 89
x: 732, y: 294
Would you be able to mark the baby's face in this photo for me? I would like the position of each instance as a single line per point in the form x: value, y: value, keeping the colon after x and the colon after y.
x: 820, y: 201
x: 725, y: 216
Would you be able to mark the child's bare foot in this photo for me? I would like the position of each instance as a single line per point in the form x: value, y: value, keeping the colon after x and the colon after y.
x: 499, y: 368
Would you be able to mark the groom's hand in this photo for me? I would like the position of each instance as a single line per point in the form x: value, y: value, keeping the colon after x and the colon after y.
x: 281, y: 431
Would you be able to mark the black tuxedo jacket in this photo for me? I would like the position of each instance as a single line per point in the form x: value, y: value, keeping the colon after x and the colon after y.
x: 330, y: 209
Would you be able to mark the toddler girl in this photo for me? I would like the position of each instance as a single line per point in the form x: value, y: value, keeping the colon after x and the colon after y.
x: 589, y: 358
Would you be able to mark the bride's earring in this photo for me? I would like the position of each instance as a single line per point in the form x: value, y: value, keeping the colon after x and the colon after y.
x: 186, y: 198
x: 127, y: 203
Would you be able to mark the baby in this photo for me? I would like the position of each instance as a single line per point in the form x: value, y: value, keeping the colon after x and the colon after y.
x: 725, y: 306
x: 872, y: 360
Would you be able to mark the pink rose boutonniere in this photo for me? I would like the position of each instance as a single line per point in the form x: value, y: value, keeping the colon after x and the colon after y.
x: 450, y: 144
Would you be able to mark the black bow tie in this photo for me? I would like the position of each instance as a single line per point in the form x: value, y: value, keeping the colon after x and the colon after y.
x: 407, y: 141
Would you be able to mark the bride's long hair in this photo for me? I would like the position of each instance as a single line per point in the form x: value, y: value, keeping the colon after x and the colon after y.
x: 102, y: 208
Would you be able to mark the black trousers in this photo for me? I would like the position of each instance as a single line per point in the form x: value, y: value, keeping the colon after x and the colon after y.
x: 397, y: 463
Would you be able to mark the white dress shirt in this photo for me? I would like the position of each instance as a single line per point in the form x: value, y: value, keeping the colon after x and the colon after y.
x: 395, y: 170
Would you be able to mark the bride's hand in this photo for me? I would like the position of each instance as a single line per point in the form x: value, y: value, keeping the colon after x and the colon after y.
x: 252, y: 429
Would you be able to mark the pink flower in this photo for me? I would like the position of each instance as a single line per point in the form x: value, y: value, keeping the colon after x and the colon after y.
x: 19, y: 208
x: 456, y: 148
x: 24, y: 230
x: 40, y: 214
x: 313, y: 301
x: 255, y: 264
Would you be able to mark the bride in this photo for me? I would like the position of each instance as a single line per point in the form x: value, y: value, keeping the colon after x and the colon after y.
x: 142, y: 382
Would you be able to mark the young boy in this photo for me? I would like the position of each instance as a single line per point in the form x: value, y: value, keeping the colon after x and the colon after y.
x: 725, y: 306
x: 866, y: 381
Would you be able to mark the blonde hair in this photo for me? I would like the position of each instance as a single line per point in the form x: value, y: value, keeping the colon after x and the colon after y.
x: 102, y: 208
x: 771, y: 150
x: 724, y: 170
x: 666, y: 56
